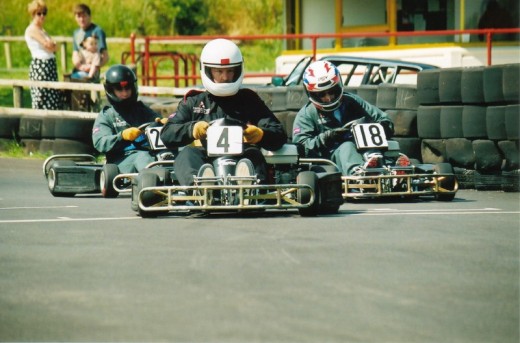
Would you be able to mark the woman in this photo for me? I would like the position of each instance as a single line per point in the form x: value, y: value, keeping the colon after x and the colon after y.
x: 43, y: 65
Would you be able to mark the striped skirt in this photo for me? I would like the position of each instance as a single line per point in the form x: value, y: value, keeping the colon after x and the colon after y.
x: 45, y: 98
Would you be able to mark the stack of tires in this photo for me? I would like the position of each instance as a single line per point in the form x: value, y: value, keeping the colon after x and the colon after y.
x: 48, y: 135
x: 469, y: 117
x: 400, y: 102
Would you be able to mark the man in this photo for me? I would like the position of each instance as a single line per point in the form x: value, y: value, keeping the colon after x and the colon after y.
x: 318, y: 126
x: 222, y: 73
x: 86, y: 29
x: 115, y: 132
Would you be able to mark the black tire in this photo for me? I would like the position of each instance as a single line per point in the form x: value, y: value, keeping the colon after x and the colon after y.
x: 51, y: 178
x: 510, y: 83
x: 487, y: 156
x: 410, y: 146
x: 386, y: 96
x: 492, y: 81
x: 106, y: 180
x: 429, y: 122
x: 511, y: 155
x: 296, y: 97
x: 472, y: 85
x: 74, y: 128
x: 9, y: 127
x: 289, y: 120
x: 488, y: 181
x: 69, y: 146
x: 459, y: 152
x: 405, y: 122
x: 451, y: 121
x: 448, y: 182
x: 433, y: 151
x: 495, y: 122
x: 450, y: 86
x: 48, y: 127
x: 511, y: 181
x: 46, y: 146
x: 428, y: 87
x: 512, y: 121
x: 406, y: 97
x: 30, y: 127
x: 148, y: 198
x: 474, y: 122
x: 304, y: 195
x: 368, y: 92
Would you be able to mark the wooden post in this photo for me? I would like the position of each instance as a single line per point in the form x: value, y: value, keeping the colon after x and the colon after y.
x: 17, y: 96
x: 7, y: 49
x: 63, y: 51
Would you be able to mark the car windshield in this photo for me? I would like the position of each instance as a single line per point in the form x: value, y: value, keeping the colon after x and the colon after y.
x: 296, y: 74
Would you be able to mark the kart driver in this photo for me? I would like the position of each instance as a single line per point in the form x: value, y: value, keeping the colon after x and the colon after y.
x: 318, y: 126
x: 222, y: 72
x: 115, y: 132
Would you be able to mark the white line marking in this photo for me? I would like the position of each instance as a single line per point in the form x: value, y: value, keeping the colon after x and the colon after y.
x: 403, y: 213
x: 437, y: 210
x: 36, y: 207
x: 14, y: 221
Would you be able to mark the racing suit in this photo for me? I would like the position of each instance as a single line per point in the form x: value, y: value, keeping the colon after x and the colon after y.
x: 245, y: 106
x: 310, y: 125
x: 130, y: 157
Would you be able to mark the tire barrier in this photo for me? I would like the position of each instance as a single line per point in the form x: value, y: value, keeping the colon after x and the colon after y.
x: 474, y: 124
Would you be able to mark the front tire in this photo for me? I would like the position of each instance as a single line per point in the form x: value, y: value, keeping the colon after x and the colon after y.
x: 449, y: 182
x: 304, y: 195
x: 106, y: 180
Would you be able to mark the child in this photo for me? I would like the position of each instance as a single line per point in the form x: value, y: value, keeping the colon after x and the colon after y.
x: 90, y: 60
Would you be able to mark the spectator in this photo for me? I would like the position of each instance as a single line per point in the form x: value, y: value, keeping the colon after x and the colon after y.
x: 43, y: 64
x: 115, y: 132
x: 86, y: 29
x: 91, y: 58
x: 222, y: 72
x: 319, y: 125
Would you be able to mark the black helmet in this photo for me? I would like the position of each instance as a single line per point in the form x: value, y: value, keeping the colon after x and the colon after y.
x: 119, y: 76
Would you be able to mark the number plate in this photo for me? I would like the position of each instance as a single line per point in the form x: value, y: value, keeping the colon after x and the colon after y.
x: 154, y: 137
x: 369, y: 136
x: 225, y: 140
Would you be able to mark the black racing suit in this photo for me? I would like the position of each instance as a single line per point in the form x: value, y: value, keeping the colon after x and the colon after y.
x: 245, y: 106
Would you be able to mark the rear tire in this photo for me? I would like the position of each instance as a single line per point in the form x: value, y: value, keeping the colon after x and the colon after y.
x: 304, y: 195
x: 51, y: 177
x: 448, y: 183
x: 106, y: 180
x: 148, y: 198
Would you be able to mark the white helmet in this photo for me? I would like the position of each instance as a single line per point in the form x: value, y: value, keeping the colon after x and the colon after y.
x: 221, y: 53
x: 321, y: 76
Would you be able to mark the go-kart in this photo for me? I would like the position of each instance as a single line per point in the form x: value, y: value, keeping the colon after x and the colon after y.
x: 71, y: 174
x: 389, y: 178
x: 230, y: 182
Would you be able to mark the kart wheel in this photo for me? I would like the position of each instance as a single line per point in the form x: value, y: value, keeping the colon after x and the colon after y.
x: 245, y: 168
x: 304, y: 195
x: 448, y: 182
x: 207, y: 171
x: 149, y: 198
x: 106, y: 180
x: 52, y: 181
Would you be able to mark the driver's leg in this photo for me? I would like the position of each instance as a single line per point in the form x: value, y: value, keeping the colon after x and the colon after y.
x: 142, y: 159
x: 347, y: 157
x: 255, y: 156
x: 187, y: 163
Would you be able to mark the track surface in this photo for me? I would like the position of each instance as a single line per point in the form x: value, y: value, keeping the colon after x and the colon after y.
x: 88, y: 269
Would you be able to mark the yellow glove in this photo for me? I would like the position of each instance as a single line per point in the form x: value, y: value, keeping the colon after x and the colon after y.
x: 161, y: 120
x: 253, y: 134
x: 131, y: 133
x: 200, y: 129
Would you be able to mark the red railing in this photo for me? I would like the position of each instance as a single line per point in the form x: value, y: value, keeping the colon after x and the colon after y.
x: 151, y: 59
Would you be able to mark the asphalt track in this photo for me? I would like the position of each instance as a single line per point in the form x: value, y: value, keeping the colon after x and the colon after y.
x: 88, y: 269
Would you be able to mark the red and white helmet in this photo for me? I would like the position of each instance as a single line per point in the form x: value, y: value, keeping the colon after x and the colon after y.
x: 221, y: 53
x: 323, y: 77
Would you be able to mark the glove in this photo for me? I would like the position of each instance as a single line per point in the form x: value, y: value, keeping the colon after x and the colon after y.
x: 161, y: 120
x: 334, y: 135
x: 131, y: 134
x: 253, y: 134
x: 200, y: 129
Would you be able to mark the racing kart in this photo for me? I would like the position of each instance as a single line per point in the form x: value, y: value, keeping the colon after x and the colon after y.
x: 389, y: 178
x: 71, y: 174
x: 230, y: 182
